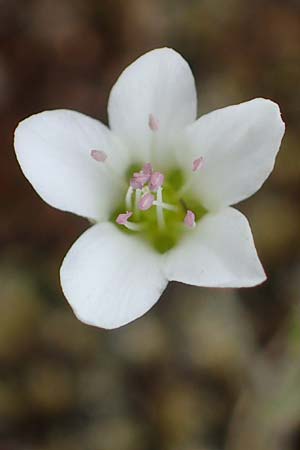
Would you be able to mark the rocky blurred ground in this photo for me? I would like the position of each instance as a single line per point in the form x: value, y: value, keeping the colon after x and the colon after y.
x: 206, y: 369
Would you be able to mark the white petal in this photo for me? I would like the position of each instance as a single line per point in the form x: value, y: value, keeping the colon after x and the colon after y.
x: 239, y: 145
x: 53, y: 149
x: 159, y: 83
x: 111, y: 278
x: 219, y: 252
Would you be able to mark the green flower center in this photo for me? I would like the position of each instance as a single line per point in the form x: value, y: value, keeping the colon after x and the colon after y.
x: 158, y: 208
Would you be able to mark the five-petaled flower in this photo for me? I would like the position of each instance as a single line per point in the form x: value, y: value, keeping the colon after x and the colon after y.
x: 157, y: 187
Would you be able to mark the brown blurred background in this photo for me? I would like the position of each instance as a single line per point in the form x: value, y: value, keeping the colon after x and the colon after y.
x: 205, y: 369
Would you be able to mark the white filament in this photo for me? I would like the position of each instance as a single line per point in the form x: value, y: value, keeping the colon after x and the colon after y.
x: 159, y: 210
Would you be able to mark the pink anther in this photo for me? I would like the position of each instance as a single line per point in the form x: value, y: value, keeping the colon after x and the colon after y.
x: 138, y: 180
x: 135, y: 184
x: 122, y: 218
x: 146, y: 202
x: 147, y: 169
x: 189, y: 219
x: 153, y: 123
x: 198, y: 164
x: 156, y: 181
x: 98, y: 155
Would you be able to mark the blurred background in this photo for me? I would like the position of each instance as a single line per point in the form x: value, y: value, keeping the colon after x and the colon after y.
x: 206, y: 369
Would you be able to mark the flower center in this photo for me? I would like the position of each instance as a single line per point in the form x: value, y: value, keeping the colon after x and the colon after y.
x: 156, y: 206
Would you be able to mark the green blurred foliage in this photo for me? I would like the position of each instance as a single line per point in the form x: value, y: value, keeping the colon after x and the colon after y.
x: 206, y: 369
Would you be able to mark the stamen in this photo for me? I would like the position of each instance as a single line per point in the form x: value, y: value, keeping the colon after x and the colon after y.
x: 138, y: 195
x: 159, y: 210
x: 98, y: 155
x: 147, y: 169
x: 156, y: 181
x: 122, y: 218
x: 189, y: 219
x: 139, y: 179
x: 135, y: 184
x: 133, y: 226
x: 167, y: 206
x: 153, y: 123
x: 128, y: 198
x: 198, y: 163
x: 146, y: 202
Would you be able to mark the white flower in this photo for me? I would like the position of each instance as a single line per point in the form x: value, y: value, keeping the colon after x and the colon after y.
x: 158, y: 184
